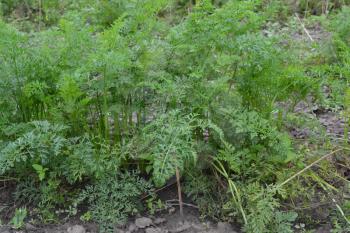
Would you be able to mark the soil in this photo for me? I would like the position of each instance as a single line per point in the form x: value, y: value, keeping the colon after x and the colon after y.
x: 168, y: 220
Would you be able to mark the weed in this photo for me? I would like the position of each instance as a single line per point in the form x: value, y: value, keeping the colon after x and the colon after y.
x: 113, y: 198
x: 17, y: 221
x: 154, y: 205
x: 206, y: 193
x: 167, y: 144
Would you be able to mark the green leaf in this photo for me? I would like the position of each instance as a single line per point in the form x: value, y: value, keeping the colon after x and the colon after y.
x: 18, y: 220
x: 41, y: 171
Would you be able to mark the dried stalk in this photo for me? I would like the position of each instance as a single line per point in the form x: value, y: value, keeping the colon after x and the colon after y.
x: 303, y: 26
x: 309, y: 166
x: 179, y: 191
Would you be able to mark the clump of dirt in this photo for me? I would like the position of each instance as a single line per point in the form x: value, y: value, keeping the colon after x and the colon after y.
x: 175, y: 223
x: 334, y: 124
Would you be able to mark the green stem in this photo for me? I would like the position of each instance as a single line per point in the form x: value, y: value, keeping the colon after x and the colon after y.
x: 233, y: 189
x: 105, y: 105
x: 116, y: 128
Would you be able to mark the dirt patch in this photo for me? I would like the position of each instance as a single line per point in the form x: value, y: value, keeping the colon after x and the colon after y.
x: 174, y: 223
x: 161, y: 223
x: 167, y: 220
x: 316, y: 32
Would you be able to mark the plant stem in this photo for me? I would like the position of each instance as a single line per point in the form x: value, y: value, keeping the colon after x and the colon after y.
x: 308, y: 167
x: 116, y: 128
x: 40, y: 15
x: 304, y: 28
x: 233, y: 189
x: 179, y: 191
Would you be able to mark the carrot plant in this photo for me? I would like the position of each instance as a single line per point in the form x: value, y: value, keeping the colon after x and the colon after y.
x: 91, y: 90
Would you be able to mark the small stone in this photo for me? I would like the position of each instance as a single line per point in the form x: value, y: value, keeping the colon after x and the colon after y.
x: 4, y: 229
x: 143, y: 222
x: 158, y: 221
x: 30, y: 227
x: 224, y: 227
x: 324, y: 229
x: 154, y: 230
x: 183, y: 227
x: 76, y: 229
x: 198, y: 227
x: 172, y: 210
x: 132, y: 228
